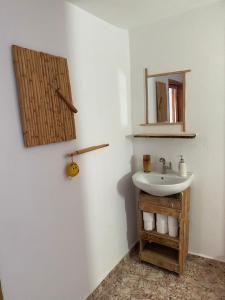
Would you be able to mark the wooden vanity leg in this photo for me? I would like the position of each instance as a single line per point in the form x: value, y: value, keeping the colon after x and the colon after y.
x: 185, y: 212
x: 181, y: 246
x: 187, y: 237
x: 140, y: 226
x: 187, y: 219
x: 184, y: 230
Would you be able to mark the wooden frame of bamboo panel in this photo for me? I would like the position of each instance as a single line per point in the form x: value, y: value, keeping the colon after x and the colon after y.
x: 148, y: 75
x: 46, y: 116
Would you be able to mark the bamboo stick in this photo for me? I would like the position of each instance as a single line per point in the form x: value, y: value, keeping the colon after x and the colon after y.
x: 35, y: 99
x: 82, y: 151
x: 49, y: 99
x: 63, y: 122
x: 61, y: 84
x: 60, y: 124
x: 20, y: 88
x: 25, y: 95
x: 71, y: 106
x: 43, y: 106
x: 69, y: 97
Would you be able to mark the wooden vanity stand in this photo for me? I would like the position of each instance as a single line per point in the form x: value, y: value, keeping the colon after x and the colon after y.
x: 161, y: 249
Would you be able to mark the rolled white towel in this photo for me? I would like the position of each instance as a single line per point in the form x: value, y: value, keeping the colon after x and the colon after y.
x: 173, y: 226
x: 162, y: 223
x: 149, y: 221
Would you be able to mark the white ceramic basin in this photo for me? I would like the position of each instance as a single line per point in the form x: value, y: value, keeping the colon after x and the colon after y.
x: 161, y: 184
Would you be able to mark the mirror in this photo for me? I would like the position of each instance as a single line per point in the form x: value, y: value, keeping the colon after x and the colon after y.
x: 165, y: 98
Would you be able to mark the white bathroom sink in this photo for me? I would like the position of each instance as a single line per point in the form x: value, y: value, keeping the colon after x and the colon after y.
x: 161, y: 184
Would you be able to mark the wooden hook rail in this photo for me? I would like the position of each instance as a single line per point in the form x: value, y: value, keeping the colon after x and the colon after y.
x: 81, y: 151
x: 62, y: 97
x: 70, y: 105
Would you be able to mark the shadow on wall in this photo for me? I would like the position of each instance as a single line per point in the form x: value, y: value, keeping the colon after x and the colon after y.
x: 92, y: 76
x: 127, y: 190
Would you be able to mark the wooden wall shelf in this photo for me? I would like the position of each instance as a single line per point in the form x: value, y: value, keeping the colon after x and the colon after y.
x: 166, y: 135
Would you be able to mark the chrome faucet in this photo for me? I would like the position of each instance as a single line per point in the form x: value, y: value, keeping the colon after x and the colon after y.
x: 164, y: 166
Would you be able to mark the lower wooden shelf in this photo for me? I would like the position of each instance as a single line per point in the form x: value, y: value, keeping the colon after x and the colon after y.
x: 161, y: 256
x: 162, y: 239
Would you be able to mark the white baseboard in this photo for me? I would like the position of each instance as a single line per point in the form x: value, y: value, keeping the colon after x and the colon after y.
x: 206, y: 256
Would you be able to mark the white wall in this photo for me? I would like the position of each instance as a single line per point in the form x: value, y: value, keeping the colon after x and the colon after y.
x: 60, y: 238
x: 195, y: 40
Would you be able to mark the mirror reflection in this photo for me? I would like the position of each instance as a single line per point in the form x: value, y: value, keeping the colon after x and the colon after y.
x: 166, y: 99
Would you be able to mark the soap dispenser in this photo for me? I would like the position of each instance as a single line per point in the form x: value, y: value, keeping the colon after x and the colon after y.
x: 182, y: 167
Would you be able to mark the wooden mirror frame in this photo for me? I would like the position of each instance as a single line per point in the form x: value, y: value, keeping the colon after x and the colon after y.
x: 148, y: 75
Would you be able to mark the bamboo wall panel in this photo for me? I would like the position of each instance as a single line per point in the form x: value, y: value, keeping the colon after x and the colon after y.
x: 45, y: 117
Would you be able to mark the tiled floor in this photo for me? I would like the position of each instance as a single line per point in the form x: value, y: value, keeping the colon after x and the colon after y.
x: 203, y: 279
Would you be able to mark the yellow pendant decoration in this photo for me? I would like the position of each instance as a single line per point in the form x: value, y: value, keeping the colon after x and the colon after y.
x: 72, y: 169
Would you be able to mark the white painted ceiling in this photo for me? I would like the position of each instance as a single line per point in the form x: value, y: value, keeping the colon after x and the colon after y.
x: 134, y: 13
